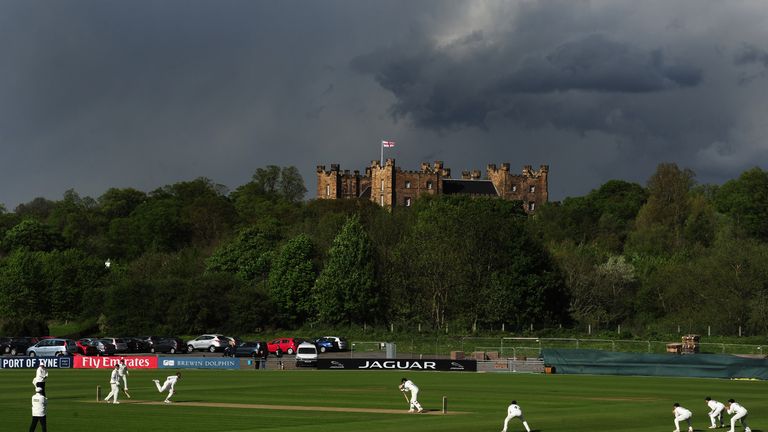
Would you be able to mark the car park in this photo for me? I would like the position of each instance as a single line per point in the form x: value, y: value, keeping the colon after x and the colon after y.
x: 208, y: 342
x: 52, y: 347
x: 253, y: 349
x: 306, y: 354
x: 331, y: 343
x: 286, y: 345
x: 14, y: 346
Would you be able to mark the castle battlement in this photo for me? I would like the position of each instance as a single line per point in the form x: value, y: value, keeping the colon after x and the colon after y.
x: 391, y: 186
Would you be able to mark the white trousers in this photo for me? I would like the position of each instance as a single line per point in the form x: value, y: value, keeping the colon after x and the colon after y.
x: 113, y: 394
x: 742, y: 417
x: 512, y: 415
x: 415, y: 401
x: 166, y: 385
x: 125, y: 382
x: 678, y: 419
x: 716, y: 415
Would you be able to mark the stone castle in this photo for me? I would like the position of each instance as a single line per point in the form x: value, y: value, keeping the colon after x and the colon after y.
x: 390, y: 186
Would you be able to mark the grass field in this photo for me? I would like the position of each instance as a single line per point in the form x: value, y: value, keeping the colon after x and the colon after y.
x: 476, y: 401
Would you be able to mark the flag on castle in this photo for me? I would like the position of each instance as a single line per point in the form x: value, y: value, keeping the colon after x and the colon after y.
x: 387, y: 143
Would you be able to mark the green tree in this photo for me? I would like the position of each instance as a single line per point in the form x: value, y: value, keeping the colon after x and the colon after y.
x: 660, y: 224
x: 120, y: 203
x: 249, y: 255
x: 291, y: 279
x: 745, y: 201
x: 346, y: 290
x: 22, y: 286
x: 32, y: 235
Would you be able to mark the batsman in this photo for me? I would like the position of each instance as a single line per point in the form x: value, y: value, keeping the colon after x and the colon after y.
x: 407, y: 385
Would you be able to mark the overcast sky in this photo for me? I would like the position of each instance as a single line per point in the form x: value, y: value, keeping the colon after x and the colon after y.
x: 98, y: 94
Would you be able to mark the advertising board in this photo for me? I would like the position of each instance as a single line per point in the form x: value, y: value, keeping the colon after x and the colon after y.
x: 199, y: 363
x: 34, y: 362
x: 133, y: 362
x: 394, y: 364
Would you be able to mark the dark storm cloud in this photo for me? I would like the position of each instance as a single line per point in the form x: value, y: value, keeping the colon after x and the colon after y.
x: 112, y: 93
x: 440, y: 89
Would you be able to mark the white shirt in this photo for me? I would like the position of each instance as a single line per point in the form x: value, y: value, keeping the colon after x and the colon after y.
x: 172, y: 380
x: 682, y: 412
x: 122, y: 369
x: 41, y: 375
x: 514, y: 410
x: 115, y: 377
x: 736, y: 408
x: 410, y: 386
x: 715, y: 406
x: 39, y: 404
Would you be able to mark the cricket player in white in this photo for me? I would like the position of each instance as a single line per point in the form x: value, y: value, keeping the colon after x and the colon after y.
x: 681, y: 414
x: 123, y: 372
x: 715, y: 412
x: 513, y: 411
x: 114, y: 382
x: 170, y: 384
x: 407, y: 385
x: 40, y: 376
x: 738, y: 413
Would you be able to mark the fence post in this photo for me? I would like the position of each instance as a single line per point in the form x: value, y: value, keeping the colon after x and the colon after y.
x: 709, y: 331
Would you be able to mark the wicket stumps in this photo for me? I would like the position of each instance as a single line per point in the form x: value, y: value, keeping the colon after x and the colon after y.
x: 98, y: 393
x: 445, y: 405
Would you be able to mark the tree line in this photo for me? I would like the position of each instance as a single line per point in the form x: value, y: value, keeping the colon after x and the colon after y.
x: 194, y: 257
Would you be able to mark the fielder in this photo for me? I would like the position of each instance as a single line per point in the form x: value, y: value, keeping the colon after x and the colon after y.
x: 407, y: 385
x: 738, y: 413
x: 40, y: 376
x: 715, y: 412
x: 513, y: 411
x: 114, y: 382
x: 170, y: 384
x: 681, y: 414
x: 123, y: 372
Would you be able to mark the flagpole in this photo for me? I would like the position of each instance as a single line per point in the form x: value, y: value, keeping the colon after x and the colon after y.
x: 381, y: 161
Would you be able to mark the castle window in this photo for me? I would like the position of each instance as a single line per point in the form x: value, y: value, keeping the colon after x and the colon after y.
x: 407, y: 184
x: 532, y: 189
x: 514, y: 188
x: 381, y: 200
x: 408, y: 202
x: 531, y: 206
x: 382, y: 185
x: 327, y: 190
x: 429, y: 185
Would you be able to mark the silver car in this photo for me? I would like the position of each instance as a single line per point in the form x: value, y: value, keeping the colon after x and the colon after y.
x: 52, y: 347
x: 208, y: 342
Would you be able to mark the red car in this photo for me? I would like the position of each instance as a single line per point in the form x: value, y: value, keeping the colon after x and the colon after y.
x: 84, y: 347
x: 287, y: 345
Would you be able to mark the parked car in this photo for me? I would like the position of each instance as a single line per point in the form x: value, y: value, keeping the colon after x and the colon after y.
x: 306, y: 354
x: 53, y: 347
x: 287, y: 345
x: 136, y: 345
x: 331, y: 343
x: 120, y: 346
x: 208, y: 342
x: 86, y: 348
x: 14, y: 346
x: 251, y: 349
x: 103, y: 347
x: 168, y: 345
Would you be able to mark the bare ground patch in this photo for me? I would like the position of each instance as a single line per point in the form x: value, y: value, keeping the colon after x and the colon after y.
x: 286, y: 407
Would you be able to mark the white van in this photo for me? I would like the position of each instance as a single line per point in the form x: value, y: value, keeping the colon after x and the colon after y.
x: 306, y: 354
